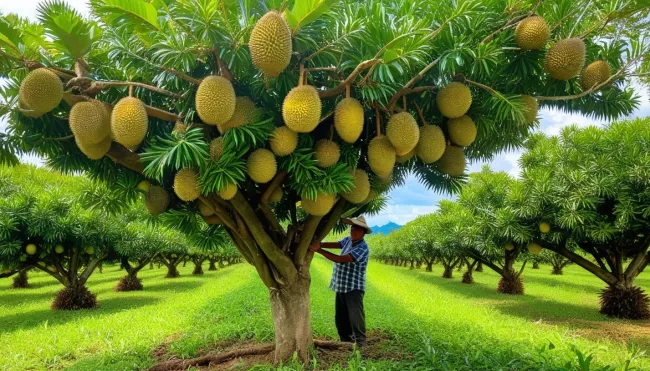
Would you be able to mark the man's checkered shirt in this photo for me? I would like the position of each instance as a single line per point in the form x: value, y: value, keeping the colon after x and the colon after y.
x: 351, y: 276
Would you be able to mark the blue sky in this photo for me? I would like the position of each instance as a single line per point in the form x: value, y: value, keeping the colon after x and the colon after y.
x: 412, y: 199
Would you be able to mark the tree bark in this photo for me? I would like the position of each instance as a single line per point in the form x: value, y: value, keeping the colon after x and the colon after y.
x: 212, y: 266
x: 429, y: 266
x: 412, y: 265
x: 535, y: 265
x: 198, y: 268
x: 21, y: 280
x: 292, y: 320
x: 623, y: 300
x: 479, y: 267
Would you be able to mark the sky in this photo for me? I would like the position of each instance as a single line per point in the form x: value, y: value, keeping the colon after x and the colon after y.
x: 412, y: 199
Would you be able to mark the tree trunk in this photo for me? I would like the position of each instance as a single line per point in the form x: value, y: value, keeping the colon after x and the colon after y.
x: 101, y: 268
x: 198, y: 268
x: 449, y: 271
x: 418, y: 264
x: 172, y: 272
x: 292, y: 321
x: 130, y: 282
x: 212, y: 267
x: 184, y: 262
x: 479, y: 267
x: 468, y: 278
x: 221, y: 265
x: 535, y: 265
x: 429, y: 266
x: 557, y: 270
x: 20, y: 280
x: 511, y: 283
x: 151, y: 265
x: 623, y: 300
x: 412, y: 265
x: 75, y: 296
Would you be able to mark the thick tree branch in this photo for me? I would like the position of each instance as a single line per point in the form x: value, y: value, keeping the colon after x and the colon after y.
x: 405, y: 91
x: 348, y: 81
x: 579, y: 260
x: 306, y: 237
x: 264, y: 241
x: 90, y: 268
x: 71, y: 99
x: 275, y: 183
x: 98, y: 86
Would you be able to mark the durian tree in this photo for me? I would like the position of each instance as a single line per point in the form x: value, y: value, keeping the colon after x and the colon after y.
x: 585, y: 196
x: 243, y: 109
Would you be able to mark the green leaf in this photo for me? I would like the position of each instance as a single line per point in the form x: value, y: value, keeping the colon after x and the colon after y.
x: 9, y: 36
x: 134, y: 11
x: 69, y: 31
x: 306, y: 11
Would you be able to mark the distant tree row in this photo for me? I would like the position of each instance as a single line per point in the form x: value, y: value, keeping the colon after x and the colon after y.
x: 62, y: 225
x: 583, y: 197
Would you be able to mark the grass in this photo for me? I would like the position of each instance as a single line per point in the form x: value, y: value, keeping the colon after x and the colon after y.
x: 443, y: 324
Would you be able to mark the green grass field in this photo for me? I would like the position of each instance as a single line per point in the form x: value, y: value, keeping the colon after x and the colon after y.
x: 430, y: 322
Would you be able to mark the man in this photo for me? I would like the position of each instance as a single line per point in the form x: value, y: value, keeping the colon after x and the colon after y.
x: 349, y: 280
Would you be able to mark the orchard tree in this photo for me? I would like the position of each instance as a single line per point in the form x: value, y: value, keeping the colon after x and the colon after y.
x: 586, y: 196
x: 493, y: 237
x: 250, y: 107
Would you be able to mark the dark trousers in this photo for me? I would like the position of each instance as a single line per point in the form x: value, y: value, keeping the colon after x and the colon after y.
x: 350, y: 318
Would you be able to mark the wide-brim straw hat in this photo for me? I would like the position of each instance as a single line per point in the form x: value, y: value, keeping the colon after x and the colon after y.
x: 358, y: 221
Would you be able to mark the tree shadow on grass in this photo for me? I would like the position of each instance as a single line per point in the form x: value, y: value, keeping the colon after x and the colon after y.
x: 34, y: 318
x: 526, y: 306
x: 551, y: 281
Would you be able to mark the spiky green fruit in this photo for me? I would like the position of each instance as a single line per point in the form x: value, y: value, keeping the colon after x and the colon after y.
x: 454, y: 100
x: 462, y: 130
x: 261, y: 165
x: 534, y: 248
x: 143, y: 186
x: 403, y: 132
x: 283, y: 141
x: 452, y: 161
x: 404, y: 158
x: 326, y: 152
x: 186, y: 184
x: 245, y: 113
x: 41, y: 90
x: 320, y: 206
x: 59, y: 249
x: 509, y: 246
x: 348, y: 119
x: 381, y: 156
x: 565, y: 59
x: 215, y: 100
x: 156, y: 200
x: 530, y: 109
x: 361, y: 188
x: 228, y: 191
x: 595, y: 74
x: 544, y: 227
x: 270, y: 44
x: 216, y: 148
x: 276, y: 195
x: 204, y: 209
x: 31, y: 249
x: 301, y: 109
x: 129, y: 122
x: 89, y: 122
x: 94, y: 151
x: 532, y: 33
x: 431, y: 145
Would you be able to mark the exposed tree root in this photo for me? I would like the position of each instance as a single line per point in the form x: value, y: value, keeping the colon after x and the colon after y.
x: 511, y: 286
x: 172, y: 272
x: 213, y: 358
x: 73, y: 299
x: 468, y: 278
x: 20, y: 281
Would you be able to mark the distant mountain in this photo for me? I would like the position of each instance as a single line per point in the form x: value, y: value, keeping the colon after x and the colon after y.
x: 386, y: 228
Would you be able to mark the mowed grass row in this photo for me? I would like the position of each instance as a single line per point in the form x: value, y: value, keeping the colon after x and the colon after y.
x: 440, y: 324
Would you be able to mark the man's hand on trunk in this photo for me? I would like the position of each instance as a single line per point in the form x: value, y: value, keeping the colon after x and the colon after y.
x: 314, y: 246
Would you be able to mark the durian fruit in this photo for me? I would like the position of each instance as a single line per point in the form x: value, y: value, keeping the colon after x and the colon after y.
x: 381, y: 156
x: 186, y: 185
x: 532, y: 33
x: 452, y: 161
x: 30, y: 249
x: 261, y: 165
x: 245, y: 113
x: 216, y: 148
x: 595, y: 74
x: 129, y: 122
x: 319, y: 207
x: 179, y: 127
x: 371, y: 196
x: 215, y: 100
x: 301, y: 109
x: 348, y: 119
x: 26, y: 111
x: 530, y: 109
x: 283, y: 141
x: 276, y: 195
x: 403, y: 132
x: 41, y: 90
x: 361, y: 188
x: 59, y: 249
x: 406, y: 157
x: 509, y: 246
x: 565, y: 59
x: 462, y: 131
x: 94, y: 151
x: 89, y: 123
x: 90, y: 250
x: 534, y: 248
x: 270, y: 44
x: 431, y: 145
x: 326, y: 152
x: 156, y: 200
x: 204, y: 209
x: 454, y: 100
x: 143, y: 186
x: 228, y: 192
x: 544, y: 227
